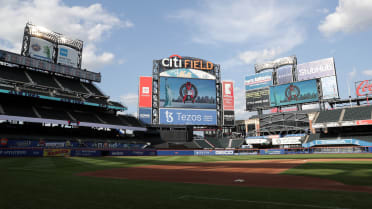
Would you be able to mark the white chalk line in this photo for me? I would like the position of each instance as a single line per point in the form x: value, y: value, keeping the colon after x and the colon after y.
x: 260, y: 202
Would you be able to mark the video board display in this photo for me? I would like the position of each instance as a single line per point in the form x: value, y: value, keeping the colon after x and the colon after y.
x: 259, y: 80
x: 294, y: 93
x: 329, y: 87
x: 187, y: 73
x: 187, y: 93
x: 258, y: 98
x: 67, y: 56
x: 41, y: 49
x: 284, y: 75
x: 316, y: 69
x: 172, y: 116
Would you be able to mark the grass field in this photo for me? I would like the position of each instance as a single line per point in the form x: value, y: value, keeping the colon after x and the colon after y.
x: 51, y: 183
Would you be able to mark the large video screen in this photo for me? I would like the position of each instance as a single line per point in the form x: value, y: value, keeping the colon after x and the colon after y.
x: 258, y: 98
x: 284, y: 75
x: 316, y: 69
x: 294, y: 93
x: 258, y: 80
x: 41, y: 49
x: 67, y: 56
x: 187, y: 93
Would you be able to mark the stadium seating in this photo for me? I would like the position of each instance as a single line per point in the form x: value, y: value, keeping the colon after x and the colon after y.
x: 203, y: 144
x: 13, y: 74
x: 18, y: 110
x: 237, y: 143
x: 92, y: 88
x: 43, y: 79
x: 358, y: 113
x: 52, y: 113
x: 72, y: 84
x: 85, y: 117
x: 216, y: 142
x: 329, y: 116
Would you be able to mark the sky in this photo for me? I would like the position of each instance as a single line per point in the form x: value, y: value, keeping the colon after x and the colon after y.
x: 122, y: 38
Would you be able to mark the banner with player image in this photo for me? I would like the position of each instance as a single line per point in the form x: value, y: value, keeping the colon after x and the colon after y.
x: 187, y: 93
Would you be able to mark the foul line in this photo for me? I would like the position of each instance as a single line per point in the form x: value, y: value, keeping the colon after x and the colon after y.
x: 260, y: 202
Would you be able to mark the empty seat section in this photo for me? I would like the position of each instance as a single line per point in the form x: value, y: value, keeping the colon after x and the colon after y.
x: 97, y: 100
x: 358, y: 113
x: 85, y: 117
x: 329, y: 116
x: 133, y: 121
x: 72, y: 84
x: 124, y: 120
x: 236, y: 143
x: 215, y: 142
x: 13, y: 73
x: 93, y: 89
x: 110, y: 118
x: 18, y: 110
x: 51, y: 113
x: 43, y: 79
x: 202, y: 143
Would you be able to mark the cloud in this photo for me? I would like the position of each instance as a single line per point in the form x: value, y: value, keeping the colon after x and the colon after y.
x: 131, y: 101
x: 90, y: 24
x: 240, y: 105
x: 350, y: 16
x: 265, y: 29
x: 352, y: 74
x: 367, y: 72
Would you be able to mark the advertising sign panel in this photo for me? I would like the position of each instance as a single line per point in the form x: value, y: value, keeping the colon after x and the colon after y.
x: 363, y: 88
x: 67, y: 56
x: 329, y: 87
x: 57, y: 152
x: 187, y: 117
x: 228, y: 118
x: 144, y: 115
x: 187, y: 93
x: 145, y: 92
x: 257, y: 98
x: 316, y: 69
x: 187, y: 73
x: 41, y: 49
x: 294, y: 93
x: 259, y: 80
x: 284, y: 75
x: 228, y: 95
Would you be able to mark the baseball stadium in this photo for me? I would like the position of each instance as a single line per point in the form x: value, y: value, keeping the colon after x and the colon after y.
x: 65, y: 144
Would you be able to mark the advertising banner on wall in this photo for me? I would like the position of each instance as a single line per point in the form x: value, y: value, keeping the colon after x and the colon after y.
x: 187, y: 73
x: 259, y: 80
x: 144, y: 115
x: 316, y: 69
x: 228, y: 118
x: 363, y: 88
x: 172, y: 116
x: 67, y: 56
x: 257, y: 98
x: 294, y: 93
x: 145, y: 92
x: 284, y: 75
x: 41, y: 49
x: 187, y: 93
x: 228, y: 95
x: 329, y: 87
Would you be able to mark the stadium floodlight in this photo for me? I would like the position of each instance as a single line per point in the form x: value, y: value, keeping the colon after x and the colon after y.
x: 275, y: 64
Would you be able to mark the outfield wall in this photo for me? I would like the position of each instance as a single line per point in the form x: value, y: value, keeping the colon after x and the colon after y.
x: 88, y: 152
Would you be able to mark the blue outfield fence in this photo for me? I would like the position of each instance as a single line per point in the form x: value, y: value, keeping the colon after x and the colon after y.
x: 89, y: 152
x: 19, y: 152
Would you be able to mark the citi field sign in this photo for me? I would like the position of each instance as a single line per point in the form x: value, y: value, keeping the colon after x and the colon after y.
x: 176, y: 61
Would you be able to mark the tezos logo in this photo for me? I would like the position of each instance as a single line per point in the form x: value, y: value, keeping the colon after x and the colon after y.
x: 169, y: 116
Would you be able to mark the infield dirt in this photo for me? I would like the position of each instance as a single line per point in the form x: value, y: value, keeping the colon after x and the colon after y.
x: 255, y: 173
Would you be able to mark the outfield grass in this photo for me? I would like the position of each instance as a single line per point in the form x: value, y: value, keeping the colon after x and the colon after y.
x: 51, y: 183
